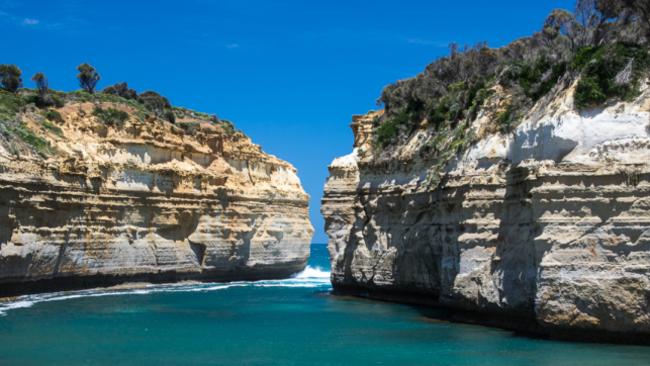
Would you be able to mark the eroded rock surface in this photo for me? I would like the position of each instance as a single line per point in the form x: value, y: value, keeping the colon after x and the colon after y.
x: 146, y: 200
x: 548, y: 226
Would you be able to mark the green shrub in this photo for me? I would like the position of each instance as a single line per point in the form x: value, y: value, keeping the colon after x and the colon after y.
x: 111, y: 116
x: 584, y: 55
x: 536, y: 78
x: 154, y: 101
x: 478, y: 101
x: 589, y: 93
x: 389, y: 128
x: 190, y: 128
x: 169, y: 116
x: 545, y: 86
x: 58, y: 101
x: 122, y: 90
x: 440, y: 113
x: 531, y: 74
x: 599, y: 68
x: 54, y: 116
x: 461, y: 102
x: 30, y: 98
x: 157, y: 104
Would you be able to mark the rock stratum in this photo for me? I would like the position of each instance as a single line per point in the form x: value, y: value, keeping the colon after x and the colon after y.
x: 543, y: 227
x: 89, y: 199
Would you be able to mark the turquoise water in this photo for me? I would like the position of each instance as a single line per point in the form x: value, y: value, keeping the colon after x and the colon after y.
x: 287, y: 322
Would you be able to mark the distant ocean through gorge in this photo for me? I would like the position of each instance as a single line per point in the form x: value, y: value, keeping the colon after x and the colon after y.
x: 280, y: 322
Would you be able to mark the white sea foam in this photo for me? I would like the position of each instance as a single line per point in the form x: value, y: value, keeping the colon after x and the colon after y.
x: 310, y: 277
x: 311, y: 272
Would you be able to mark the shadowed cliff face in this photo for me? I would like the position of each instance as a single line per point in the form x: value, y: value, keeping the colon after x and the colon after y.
x: 144, y: 200
x: 548, y: 227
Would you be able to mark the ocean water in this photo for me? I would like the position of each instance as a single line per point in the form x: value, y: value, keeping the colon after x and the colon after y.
x: 283, y: 322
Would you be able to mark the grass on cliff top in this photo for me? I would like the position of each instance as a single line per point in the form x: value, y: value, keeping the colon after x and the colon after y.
x: 82, y: 96
x: 141, y: 112
x: 12, y: 103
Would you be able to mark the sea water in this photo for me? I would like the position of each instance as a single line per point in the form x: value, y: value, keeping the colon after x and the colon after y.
x: 281, y: 322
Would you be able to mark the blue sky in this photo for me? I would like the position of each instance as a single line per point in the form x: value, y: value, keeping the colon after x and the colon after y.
x: 290, y: 74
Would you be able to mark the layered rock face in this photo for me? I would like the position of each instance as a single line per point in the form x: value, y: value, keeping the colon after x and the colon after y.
x: 546, y: 228
x: 144, y: 200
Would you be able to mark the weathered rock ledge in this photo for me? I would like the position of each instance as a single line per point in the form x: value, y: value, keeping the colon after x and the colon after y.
x: 544, y: 230
x: 144, y: 201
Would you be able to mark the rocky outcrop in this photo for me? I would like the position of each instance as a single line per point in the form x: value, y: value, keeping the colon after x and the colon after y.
x: 143, y: 200
x: 546, y: 229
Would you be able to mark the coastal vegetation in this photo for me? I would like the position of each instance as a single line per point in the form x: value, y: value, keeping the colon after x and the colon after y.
x: 603, y: 46
x: 111, y: 116
x: 600, y: 50
x: 123, y: 103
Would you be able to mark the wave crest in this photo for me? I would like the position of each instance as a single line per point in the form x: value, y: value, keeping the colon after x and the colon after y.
x: 313, y: 272
x: 310, y: 277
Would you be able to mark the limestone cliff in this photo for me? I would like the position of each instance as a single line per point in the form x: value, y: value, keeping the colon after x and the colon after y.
x: 562, y: 237
x: 543, y: 226
x: 100, y: 191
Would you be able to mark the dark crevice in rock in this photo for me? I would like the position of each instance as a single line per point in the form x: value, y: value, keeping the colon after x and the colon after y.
x: 199, y: 251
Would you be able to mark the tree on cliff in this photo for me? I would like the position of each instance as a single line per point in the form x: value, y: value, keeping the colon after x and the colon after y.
x: 562, y: 23
x: 10, y: 79
x: 88, y: 77
x: 41, y: 83
x: 595, y: 22
x: 620, y: 20
x: 44, y: 98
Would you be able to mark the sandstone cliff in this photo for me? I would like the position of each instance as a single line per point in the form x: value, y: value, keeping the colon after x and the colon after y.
x: 100, y: 191
x: 544, y: 226
x: 562, y: 237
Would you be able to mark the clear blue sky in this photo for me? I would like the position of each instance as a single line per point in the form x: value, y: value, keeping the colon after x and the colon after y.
x: 290, y: 74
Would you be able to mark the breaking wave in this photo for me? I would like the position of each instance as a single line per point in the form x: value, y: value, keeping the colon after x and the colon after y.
x: 310, y: 277
x: 314, y: 272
